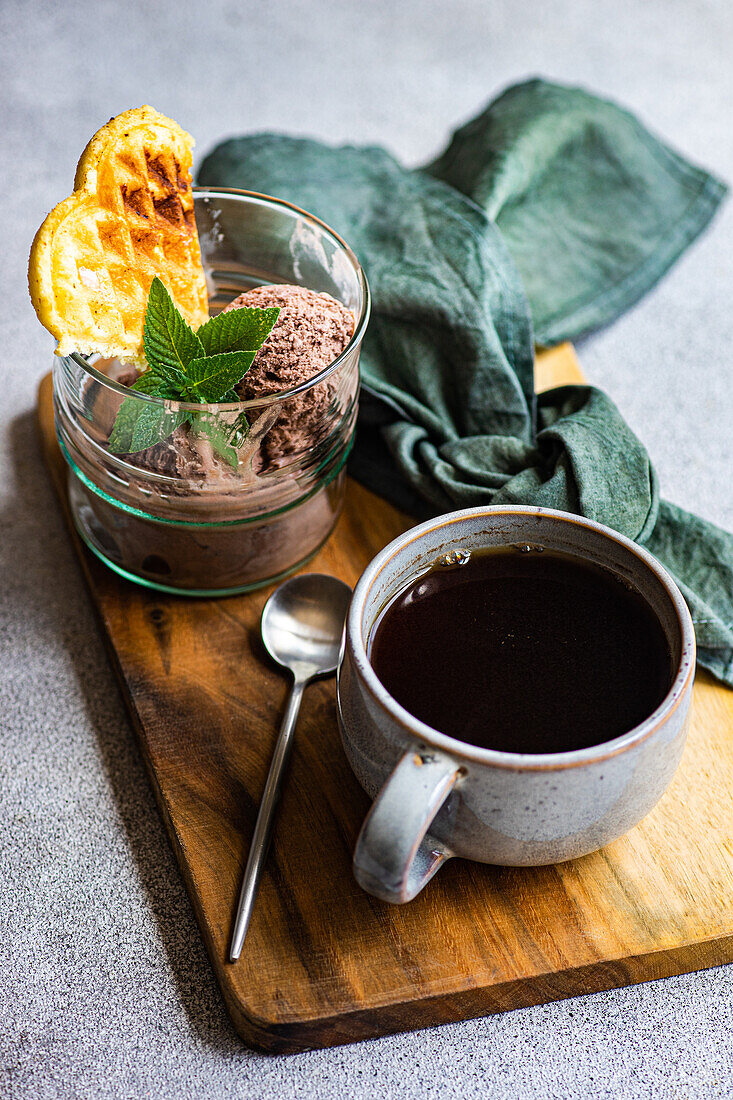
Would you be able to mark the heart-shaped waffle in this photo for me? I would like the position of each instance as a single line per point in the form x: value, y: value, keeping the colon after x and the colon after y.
x: 129, y: 218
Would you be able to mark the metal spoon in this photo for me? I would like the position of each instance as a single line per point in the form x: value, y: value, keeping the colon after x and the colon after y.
x: 302, y: 624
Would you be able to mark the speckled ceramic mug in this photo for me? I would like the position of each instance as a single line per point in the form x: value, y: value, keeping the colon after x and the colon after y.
x: 439, y: 797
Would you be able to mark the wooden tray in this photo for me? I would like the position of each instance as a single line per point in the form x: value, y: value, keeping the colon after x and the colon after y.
x: 324, y: 963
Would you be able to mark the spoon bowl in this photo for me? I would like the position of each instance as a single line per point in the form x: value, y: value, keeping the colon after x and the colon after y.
x: 302, y: 624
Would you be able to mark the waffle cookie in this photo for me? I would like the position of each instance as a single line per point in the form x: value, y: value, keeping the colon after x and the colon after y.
x: 129, y: 218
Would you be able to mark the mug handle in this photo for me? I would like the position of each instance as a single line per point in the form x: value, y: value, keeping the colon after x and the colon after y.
x: 394, y: 858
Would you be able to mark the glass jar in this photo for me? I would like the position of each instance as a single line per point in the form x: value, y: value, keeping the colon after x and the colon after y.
x: 185, y: 516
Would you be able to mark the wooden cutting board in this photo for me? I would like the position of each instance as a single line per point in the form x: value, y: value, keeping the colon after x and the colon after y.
x: 324, y: 963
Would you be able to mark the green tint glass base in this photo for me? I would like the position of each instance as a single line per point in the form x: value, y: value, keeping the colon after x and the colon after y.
x: 119, y: 548
x: 201, y: 593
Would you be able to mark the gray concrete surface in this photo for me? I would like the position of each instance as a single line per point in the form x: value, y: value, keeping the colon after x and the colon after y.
x: 105, y: 990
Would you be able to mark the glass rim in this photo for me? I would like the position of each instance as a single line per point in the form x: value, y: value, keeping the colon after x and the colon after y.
x: 267, y: 399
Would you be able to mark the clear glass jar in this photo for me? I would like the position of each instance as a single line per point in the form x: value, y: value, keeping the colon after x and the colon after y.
x: 178, y: 517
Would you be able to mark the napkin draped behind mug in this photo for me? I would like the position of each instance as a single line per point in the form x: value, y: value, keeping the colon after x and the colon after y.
x: 544, y: 219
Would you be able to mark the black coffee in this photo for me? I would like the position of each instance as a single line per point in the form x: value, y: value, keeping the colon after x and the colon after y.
x: 523, y: 651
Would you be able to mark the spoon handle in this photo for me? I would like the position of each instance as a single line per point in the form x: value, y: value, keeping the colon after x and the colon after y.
x: 265, y: 820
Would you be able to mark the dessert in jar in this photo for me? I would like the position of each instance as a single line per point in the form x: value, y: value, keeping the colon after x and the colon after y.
x: 173, y: 482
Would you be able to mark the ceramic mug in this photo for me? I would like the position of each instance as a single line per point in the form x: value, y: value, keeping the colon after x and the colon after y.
x: 439, y: 797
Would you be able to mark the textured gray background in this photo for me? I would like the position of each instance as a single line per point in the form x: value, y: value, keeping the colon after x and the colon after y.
x: 105, y: 987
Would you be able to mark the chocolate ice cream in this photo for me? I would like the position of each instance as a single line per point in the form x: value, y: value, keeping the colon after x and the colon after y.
x: 179, y: 514
x: 311, y: 331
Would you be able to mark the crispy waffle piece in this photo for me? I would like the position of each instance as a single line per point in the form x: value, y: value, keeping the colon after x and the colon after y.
x: 130, y: 218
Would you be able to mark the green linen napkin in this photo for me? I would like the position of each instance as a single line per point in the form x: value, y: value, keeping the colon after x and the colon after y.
x: 594, y: 209
x: 549, y: 189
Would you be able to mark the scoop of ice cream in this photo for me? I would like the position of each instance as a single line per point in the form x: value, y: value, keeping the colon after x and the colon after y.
x: 311, y: 331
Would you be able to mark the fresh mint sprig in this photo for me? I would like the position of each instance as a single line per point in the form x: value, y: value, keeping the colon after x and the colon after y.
x: 196, y: 367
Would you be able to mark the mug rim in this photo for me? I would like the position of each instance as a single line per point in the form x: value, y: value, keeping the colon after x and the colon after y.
x: 463, y: 750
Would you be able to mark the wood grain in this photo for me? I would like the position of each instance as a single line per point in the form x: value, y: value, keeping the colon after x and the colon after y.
x: 325, y: 963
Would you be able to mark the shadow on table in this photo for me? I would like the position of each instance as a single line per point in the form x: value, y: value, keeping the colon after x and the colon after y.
x: 43, y: 585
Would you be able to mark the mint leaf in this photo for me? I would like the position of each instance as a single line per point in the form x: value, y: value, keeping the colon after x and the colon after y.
x: 170, y: 342
x: 242, y: 329
x: 154, y: 425
x: 218, y: 434
x: 139, y: 426
x: 193, y: 367
x: 155, y: 386
x: 120, y: 439
x: 142, y: 424
x: 210, y: 377
x: 239, y: 430
x: 225, y: 438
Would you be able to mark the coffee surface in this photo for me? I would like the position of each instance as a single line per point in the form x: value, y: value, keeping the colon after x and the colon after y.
x: 523, y: 651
